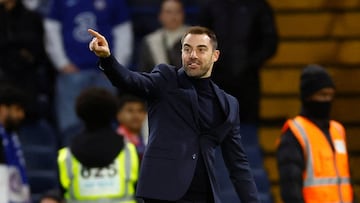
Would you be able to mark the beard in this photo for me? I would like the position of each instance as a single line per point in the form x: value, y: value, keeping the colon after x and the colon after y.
x: 198, y: 72
x: 11, y: 124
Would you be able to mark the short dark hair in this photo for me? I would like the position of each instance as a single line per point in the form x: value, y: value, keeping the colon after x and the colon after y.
x: 198, y: 30
x: 96, y: 107
x: 128, y: 98
x: 11, y: 95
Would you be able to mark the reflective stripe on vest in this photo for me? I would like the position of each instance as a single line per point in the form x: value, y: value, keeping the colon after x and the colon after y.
x: 333, y: 181
x: 127, y: 158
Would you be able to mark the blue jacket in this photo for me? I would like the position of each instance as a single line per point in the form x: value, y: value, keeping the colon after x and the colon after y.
x: 175, y: 138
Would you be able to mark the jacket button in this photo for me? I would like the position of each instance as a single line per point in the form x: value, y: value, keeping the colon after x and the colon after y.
x: 194, y: 156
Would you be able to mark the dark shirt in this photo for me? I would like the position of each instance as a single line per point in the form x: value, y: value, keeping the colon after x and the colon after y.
x: 211, y: 115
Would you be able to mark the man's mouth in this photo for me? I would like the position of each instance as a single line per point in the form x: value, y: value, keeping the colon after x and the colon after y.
x: 193, y: 65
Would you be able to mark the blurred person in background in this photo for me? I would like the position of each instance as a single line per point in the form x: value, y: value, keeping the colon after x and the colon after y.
x: 66, y: 43
x: 98, y: 165
x: 131, y: 116
x: 14, y: 187
x: 247, y: 37
x: 40, y: 6
x: 311, y: 156
x: 23, y: 61
x: 163, y: 45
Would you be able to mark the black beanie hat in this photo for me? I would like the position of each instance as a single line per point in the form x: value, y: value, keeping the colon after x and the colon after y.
x: 313, y: 78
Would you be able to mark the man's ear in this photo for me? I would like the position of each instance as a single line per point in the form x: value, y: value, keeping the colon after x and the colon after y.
x: 216, y: 55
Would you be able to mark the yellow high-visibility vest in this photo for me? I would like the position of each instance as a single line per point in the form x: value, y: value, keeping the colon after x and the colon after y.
x: 111, y: 184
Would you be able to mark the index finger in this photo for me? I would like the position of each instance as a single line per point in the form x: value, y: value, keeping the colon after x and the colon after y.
x: 95, y: 34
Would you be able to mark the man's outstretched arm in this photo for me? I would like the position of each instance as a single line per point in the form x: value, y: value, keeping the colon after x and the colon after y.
x: 121, y: 77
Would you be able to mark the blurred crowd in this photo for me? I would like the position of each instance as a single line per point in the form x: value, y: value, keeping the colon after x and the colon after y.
x: 100, y: 131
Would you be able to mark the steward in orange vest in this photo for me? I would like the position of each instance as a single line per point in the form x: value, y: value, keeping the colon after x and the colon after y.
x: 312, y: 156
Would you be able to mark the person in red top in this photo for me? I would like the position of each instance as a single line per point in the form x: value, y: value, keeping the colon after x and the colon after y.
x: 131, y: 116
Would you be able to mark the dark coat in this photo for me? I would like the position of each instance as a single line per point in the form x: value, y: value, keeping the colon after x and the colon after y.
x: 175, y: 138
x: 21, y: 46
x: 23, y: 61
x: 247, y: 37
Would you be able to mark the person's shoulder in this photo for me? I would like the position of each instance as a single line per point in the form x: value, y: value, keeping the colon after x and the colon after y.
x: 232, y: 100
x: 155, y: 35
x: 337, y: 125
x: 165, y: 69
x: 227, y: 95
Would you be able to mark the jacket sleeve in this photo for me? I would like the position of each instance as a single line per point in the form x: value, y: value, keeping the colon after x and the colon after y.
x: 238, y: 166
x: 291, y: 164
x: 141, y: 84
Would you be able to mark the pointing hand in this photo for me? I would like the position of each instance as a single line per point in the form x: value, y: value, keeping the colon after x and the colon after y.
x: 99, y: 45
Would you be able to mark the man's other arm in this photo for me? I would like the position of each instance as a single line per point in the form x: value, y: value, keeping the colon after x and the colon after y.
x: 238, y: 165
x: 142, y: 84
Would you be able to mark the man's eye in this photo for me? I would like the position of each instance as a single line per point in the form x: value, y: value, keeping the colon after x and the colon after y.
x: 187, y: 50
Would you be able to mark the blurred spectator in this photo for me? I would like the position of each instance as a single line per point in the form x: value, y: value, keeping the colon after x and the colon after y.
x: 52, y: 196
x: 163, y: 45
x: 14, y: 185
x: 312, y: 157
x: 131, y: 116
x: 98, y: 164
x: 247, y: 38
x: 22, y: 54
x: 67, y: 45
x: 40, y: 6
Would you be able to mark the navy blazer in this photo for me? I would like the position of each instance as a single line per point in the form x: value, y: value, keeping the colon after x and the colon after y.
x: 175, y: 138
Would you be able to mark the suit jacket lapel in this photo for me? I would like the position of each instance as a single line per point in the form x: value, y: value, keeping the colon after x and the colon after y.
x: 226, y: 126
x: 187, y: 87
x: 222, y: 99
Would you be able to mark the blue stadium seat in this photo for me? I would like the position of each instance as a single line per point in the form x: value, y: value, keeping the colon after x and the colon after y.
x: 249, y: 135
x: 254, y: 156
x: 265, y: 198
x: 40, y: 157
x: 38, y: 133
x: 42, y: 181
x: 40, y: 144
x: 261, y: 180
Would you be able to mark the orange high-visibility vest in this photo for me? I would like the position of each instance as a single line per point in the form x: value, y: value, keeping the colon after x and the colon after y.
x: 326, y: 176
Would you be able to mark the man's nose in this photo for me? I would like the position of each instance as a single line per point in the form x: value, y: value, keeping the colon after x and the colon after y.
x: 193, y: 54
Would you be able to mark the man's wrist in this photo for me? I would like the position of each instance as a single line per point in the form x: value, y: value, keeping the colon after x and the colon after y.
x: 107, y: 55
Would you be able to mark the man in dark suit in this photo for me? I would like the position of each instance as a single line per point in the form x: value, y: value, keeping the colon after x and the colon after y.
x: 189, y: 116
